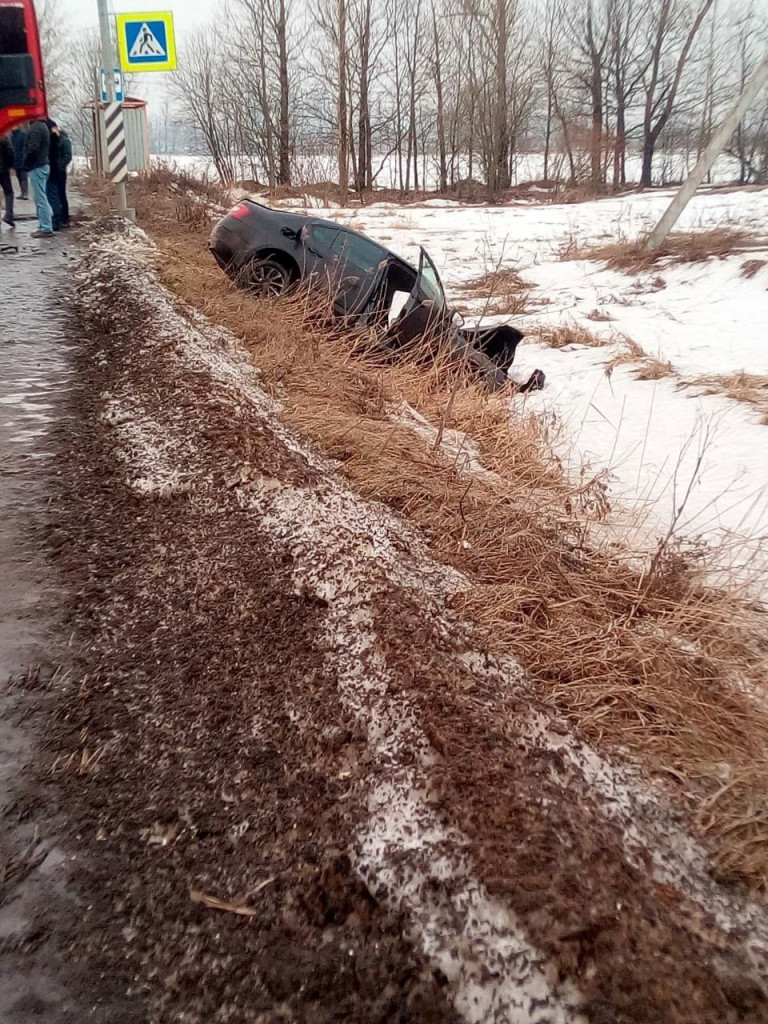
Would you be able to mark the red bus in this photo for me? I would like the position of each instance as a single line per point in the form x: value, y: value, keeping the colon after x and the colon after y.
x: 22, y: 84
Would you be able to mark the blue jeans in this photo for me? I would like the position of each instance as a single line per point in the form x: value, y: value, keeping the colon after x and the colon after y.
x: 39, y: 179
x: 52, y: 192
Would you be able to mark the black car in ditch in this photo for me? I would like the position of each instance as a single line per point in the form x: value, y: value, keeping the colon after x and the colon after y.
x: 269, y: 251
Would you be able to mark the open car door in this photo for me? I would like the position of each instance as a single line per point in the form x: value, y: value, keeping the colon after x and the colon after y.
x: 426, y: 321
x: 22, y: 87
x: 427, y: 291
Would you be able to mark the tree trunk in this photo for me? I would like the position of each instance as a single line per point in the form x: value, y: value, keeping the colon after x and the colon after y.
x: 646, y: 174
x: 341, y: 113
x: 414, y: 142
x: 364, y: 170
x: 596, y: 99
x: 596, y: 142
x: 620, y: 144
x: 269, y: 139
x: 499, y: 172
x: 353, y: 156
x: 398, y: 113
x: 284, y: 173
x: 548, y: 135
x: 443, y: 170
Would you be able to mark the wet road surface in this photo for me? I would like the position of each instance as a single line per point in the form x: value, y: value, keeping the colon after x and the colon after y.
x: 34, y: 377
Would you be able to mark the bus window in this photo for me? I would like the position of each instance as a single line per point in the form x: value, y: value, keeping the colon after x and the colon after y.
x: 13, y: 34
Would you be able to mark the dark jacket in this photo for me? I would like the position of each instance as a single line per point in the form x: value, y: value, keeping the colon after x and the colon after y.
x: 65, y: 153
x: 7, y: 162
x: 38, y: 146
x: 53, y: 150
x: 19, y: 143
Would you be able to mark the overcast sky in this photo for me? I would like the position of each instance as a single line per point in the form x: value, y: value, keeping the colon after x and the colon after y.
x: 187, y: 13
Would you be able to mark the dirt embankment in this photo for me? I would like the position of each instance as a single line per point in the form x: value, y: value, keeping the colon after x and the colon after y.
x: 306, y: 791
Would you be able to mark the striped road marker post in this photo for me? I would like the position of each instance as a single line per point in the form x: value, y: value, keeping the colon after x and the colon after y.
x: 117, y: 155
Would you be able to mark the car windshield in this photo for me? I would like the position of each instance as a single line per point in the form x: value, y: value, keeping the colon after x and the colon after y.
x: 430, y: 283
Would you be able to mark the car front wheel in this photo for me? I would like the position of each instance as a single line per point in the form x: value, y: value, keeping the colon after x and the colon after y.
x: 266, y: 278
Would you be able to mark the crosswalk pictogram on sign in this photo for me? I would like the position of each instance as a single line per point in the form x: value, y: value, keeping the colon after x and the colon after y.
x: 147, y: 44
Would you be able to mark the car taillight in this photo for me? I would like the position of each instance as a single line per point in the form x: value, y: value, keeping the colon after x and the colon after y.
x: 239, y: 211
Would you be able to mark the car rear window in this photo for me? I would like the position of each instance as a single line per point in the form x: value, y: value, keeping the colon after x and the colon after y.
x: 325, y: 236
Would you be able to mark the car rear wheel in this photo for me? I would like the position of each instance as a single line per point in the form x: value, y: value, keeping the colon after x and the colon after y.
x: 266, y: 278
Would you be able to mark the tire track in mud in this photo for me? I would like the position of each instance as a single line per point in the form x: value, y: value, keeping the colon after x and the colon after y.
x: 278, y: 689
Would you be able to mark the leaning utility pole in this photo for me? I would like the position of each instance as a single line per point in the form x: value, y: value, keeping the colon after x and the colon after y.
x: 708, y: 157
x: 109, y: 61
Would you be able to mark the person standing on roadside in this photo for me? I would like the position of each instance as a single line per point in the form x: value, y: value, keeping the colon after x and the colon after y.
x: 6, y: 186
x: 61, y: 171
x: 19, y: 143
x: 36, y: 165
x: 51, y: 186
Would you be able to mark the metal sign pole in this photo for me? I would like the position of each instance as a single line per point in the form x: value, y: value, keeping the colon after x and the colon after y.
x: 109, y: 61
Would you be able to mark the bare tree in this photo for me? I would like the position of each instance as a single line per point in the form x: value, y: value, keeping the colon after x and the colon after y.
x: 593, y: 40
x: 81, y: 88
x: 750, y: 142
x: 673, y: 33
x: 55, y: 43
x: 628, y: 62
x: 417, y: 94
x: 437, y: 65
x: 550, y: 43
x: 200, y: 87
x: 259, y: 40
x: 341, y: 99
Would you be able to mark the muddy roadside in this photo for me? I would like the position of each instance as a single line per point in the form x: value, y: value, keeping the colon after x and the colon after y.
x: 38, y: 905
x: 203, y: 754
x: 300, y: 789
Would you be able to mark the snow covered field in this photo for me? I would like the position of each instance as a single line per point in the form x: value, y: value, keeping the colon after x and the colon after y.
x: 676, y: 456
x: 526, y: 167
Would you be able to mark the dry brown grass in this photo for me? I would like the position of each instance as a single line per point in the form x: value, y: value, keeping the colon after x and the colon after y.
x: 680, y: 247
x: 644, y: 657
x: 751, y: 388
x: 751, y: 267
x: 600, y: 316
x: 504, y: 291
x: 652, y: 368
x: 192, y: 199
x: 628, y: 352
x: 562, y: 335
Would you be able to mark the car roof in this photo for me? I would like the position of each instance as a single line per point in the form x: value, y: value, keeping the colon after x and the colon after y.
x: 289, y: 218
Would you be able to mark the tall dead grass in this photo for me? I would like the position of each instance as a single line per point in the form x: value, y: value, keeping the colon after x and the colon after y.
x: 563, y: 335
x: 679, y: 247
x: 504, y: 291
x: 638, y: 654
x: 627, y: 352
x: 751, y: 388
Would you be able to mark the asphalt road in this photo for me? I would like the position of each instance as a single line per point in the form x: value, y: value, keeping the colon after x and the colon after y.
x: 34, y: 379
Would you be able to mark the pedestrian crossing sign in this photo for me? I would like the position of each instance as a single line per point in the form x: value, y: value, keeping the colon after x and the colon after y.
x: 146, y: 41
